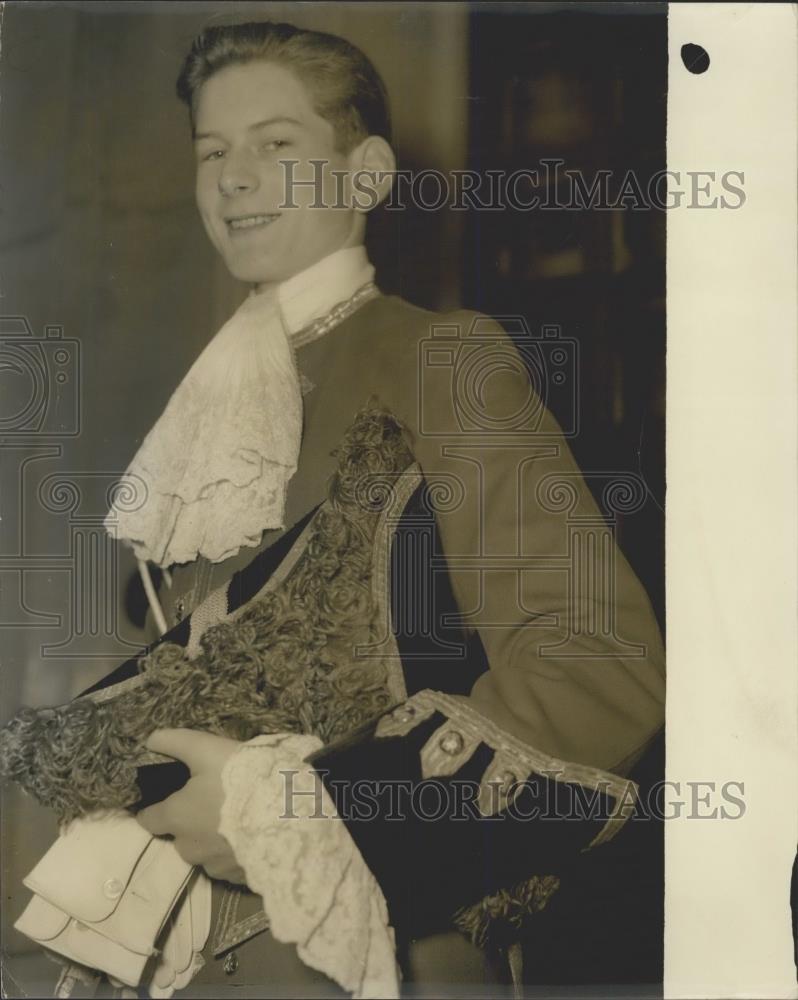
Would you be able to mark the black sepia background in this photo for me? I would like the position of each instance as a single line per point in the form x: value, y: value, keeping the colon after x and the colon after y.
x: 101, y: 237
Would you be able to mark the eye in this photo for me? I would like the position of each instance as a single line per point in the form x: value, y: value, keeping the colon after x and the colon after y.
x: 214, y: 154
x: 272, y: 145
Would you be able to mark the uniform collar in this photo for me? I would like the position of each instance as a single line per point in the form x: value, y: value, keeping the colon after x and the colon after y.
x: 314, y: 292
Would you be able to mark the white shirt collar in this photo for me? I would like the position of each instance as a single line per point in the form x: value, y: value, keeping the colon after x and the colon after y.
x: 312, y: 293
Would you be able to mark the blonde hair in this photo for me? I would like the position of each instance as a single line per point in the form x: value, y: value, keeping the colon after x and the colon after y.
x: 344, y: 85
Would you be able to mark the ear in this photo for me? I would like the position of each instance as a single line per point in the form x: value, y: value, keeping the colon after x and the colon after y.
x: 372, y: 165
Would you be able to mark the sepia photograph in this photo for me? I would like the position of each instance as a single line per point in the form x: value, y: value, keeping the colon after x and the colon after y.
x: 333, y: 441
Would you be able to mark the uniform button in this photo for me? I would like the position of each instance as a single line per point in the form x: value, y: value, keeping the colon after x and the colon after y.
x: 230, y: 965
x: 112, y: 888
x: 180, y: 610
x: 451, y: 742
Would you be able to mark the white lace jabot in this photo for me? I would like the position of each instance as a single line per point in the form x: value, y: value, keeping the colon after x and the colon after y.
x: 211, y: 475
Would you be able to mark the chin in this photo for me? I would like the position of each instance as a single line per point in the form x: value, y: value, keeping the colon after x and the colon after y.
x: 254, y: 273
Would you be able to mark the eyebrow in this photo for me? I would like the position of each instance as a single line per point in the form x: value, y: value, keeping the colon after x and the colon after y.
x: 278, y: 120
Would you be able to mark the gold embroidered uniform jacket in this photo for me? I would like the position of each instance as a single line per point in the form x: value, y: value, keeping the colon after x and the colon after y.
x: 504, y: 648
x: 508, y: 600
x: 576, y: 667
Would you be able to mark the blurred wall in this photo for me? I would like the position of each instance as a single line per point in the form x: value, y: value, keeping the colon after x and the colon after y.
x: 582, y: 87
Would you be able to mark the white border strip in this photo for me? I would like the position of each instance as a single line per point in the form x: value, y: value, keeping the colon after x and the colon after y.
x: 732, y: 590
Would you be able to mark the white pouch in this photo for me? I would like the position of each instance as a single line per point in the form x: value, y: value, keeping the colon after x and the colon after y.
x: 104, y: 892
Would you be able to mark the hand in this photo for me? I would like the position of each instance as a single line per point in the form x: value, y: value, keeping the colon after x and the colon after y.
x: 192, y: 814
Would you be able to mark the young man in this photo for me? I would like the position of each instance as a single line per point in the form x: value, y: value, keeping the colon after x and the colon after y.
x: 477, y: 636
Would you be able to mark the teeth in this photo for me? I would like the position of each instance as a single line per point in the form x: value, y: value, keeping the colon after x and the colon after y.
x: 247, y: 222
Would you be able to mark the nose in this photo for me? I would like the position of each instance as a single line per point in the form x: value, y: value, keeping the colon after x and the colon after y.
x: 236, y: 176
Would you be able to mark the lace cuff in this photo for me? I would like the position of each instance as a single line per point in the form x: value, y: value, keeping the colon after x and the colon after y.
x: 297, y: 854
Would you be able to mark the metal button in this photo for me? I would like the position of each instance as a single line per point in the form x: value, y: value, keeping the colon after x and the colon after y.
x: 112, y: 888
x: 180, y: 610
x: 405, y: 713
x: 230, y: 964
x: 451, y: 742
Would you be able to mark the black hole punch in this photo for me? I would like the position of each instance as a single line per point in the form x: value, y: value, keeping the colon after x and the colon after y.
x: 695, y: 58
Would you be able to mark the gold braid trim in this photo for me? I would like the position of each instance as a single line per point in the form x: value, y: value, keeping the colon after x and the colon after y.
x: 497, y: 920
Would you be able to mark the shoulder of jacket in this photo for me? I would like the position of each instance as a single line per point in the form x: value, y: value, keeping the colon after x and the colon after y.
x: 416, y: 322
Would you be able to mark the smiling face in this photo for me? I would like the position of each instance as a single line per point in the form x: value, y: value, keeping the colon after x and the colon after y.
x: 248, y: 119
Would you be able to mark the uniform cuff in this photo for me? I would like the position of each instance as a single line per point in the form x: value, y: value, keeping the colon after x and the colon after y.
x: 317, y: 890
